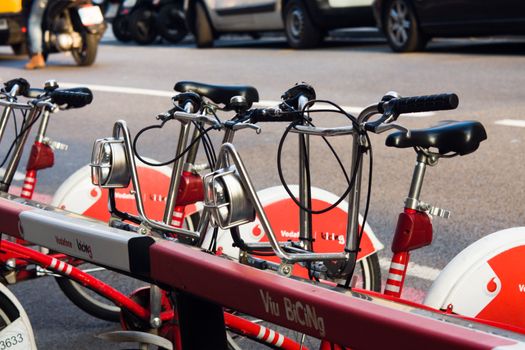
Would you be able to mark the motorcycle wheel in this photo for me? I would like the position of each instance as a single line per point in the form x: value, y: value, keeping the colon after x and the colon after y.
x: 85, y: 56
x: 142, y: 26
x: 120, y: 28
x: 171, y: 23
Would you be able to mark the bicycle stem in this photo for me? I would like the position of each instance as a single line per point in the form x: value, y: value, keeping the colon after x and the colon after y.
x: 176, y: 173
x: 305, y: 218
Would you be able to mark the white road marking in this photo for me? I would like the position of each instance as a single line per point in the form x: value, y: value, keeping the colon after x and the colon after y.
x: 420, y: 271
x: 162, y: 93
x: 121, y: 89
x: 511, y: 122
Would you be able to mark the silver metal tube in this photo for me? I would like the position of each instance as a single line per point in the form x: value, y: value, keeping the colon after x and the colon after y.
x: 417, y: 182
x: 229, y: 133
x: 177, y: 171
x: 15, y: 159
x: 229, y: 149
x: 354, y: 198
x: 326, y: 132
x: 121, y: 127
x: 155, y: 298
x: 192, y: 153
x: 43, y: 126
x: 14, y: 90
x: 305, y: 218
x: 4, y: 119
x: 15, y: 105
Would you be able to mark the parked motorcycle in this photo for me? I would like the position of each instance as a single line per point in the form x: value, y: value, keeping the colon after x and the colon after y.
x: 74, y: 26
x: 144, y: 20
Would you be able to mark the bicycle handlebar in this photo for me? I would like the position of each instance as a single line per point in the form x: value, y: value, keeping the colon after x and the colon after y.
x: 414, y: 104
x: 272, y: 115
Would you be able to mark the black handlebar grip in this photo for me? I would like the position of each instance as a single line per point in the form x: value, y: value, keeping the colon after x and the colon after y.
x: 188, y: 97
x: 72, y: 98
x: 291, y: 96
x: 421, y: 103
x: 269, y: 115
x: 23, y: 86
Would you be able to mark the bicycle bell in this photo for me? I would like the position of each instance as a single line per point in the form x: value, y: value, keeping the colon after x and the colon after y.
x: 225, y: 195
x: 109, y: 164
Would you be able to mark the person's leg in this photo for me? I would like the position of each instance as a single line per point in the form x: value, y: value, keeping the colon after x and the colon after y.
x: 35, y: 34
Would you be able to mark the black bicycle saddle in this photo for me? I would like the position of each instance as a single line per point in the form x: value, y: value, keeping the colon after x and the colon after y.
x: 462, y: 137
x: 220, y: 93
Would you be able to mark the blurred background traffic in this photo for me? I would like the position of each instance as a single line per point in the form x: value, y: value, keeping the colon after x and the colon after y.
x: 407, y: 25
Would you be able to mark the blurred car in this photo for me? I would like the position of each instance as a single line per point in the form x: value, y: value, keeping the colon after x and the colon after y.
x: 409, y: 24
x: 12, y: 26
x: 305, y: 22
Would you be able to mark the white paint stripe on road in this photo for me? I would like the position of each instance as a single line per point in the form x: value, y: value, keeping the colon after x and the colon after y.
x: 161, y: 93
x: 420, y: 271
x: 121, y: 89
x: 511, y: 122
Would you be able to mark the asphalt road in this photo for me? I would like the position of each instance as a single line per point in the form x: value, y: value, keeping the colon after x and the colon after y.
x: 483, y: 190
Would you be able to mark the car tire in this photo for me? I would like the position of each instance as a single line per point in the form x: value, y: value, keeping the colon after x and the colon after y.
x: 120, y: 27
x: 171, y: 23
x: 142, y: 26
x: 203, y: 29
x: 402, y: 28
x: 300, y: 31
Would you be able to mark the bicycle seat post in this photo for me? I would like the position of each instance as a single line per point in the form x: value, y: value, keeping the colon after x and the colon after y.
x: 412, y: 201
x: 305, y: 218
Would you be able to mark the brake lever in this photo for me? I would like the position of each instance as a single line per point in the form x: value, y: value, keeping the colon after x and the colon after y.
x: 189, y: 117
x: 385, y: 127
x: 238, y: 126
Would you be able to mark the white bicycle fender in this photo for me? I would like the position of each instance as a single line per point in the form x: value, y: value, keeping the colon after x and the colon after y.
x: 77, y: 194
x: 486, y: 280
x: 19, y: 334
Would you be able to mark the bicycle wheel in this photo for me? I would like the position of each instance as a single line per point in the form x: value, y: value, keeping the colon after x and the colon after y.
x: 15, y: 328
x: 171, y: 23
